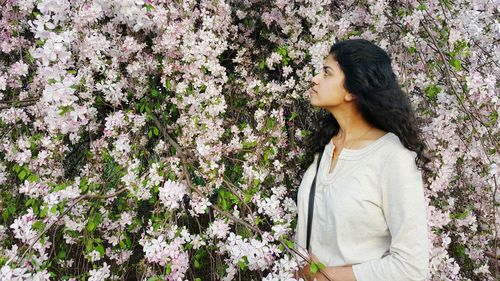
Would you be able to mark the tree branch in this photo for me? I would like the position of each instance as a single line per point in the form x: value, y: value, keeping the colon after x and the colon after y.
x: 76, y: 201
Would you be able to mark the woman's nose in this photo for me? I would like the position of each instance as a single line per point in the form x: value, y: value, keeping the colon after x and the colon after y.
x: 314, y: 80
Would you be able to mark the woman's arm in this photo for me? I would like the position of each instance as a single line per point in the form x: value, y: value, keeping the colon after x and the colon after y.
x: 333, y: 273
x: 336, y: 273
x: 403, y: 205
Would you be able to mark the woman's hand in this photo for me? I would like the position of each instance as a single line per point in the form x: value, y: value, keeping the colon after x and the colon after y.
x: 305, y: 272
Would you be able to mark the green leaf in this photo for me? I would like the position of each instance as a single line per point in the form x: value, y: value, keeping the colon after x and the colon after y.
x: 168, y: 269
x: 448, y: 4
x: 12, y: 209
x: 321, y: 265
x: 200, y: 253
x: 44, y: 211
x: 270, y: 123
x: 22, y: 175
x: 16, y: 168
x: 31, y: 59
x: 64, y: 109
x: 431, y: 91
x: 243, y: 263
x: 262, y: 65
x: 5, y: 215
x: 100, y: 249
x: 224, y: 204
x: 154, y: 92
x: 282, y: 51
x: 313, y: 268
x: 93, y: 222
x: 461, y: 215
x: 90, y: 226
x: 38, y: 225
x: 168, y: 85
x: 149, y: 8
x: 89, y: 246
x: 456, y: 64
x: 61, y: 255
x: 293, y: 116
x: 33, y: 178
x: 249, y: 144
x: 156, y: 131
x: 460, y: 250
x: 196, y: 264
x: 493, y: 119
x: 59, y: 187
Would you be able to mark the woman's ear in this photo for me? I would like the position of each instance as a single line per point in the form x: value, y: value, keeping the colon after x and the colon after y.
x: 349, y: 97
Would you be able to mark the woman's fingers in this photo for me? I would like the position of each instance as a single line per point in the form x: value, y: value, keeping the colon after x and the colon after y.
x: 302, y: 273
x: 313, y: 257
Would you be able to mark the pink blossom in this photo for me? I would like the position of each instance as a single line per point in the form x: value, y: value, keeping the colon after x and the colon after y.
x: 171, y: 194
x: 218, y: 229
x: 99, y: 274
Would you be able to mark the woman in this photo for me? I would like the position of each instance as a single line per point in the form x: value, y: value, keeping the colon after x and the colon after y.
x: 369, y: 216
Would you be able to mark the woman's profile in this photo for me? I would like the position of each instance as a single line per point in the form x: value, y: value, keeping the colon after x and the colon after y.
x: 368, y: 216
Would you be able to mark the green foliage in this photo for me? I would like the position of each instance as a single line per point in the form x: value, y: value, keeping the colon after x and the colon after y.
x: 9, y: 207
x: 156, y: 278
x: 243, y: 263
x: 148, y: 7
x: 262, y: 65
x: 227, y: 199
x: 315, y: 267
x: 432, y: 91
x: 95, y: 219
x: 283, y: 51
x: 456, y: 64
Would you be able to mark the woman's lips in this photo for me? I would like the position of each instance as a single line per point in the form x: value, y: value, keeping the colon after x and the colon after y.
x: 312, y: 92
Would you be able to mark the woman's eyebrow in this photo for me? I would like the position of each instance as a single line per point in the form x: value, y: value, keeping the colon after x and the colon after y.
x: 326, y: 67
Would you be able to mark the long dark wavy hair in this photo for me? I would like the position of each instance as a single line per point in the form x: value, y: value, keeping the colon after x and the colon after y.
x: 379, y: 99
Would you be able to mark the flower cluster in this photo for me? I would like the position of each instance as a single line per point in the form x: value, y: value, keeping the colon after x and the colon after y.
x: 163, y: 139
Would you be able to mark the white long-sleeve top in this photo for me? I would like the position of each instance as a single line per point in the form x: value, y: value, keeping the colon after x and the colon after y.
x: 369, y: 212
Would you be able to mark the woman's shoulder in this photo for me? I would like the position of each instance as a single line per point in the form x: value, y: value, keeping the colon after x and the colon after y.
x: 394, y: 153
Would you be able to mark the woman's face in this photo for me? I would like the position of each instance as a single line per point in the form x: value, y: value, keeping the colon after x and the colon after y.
x: 328, y: 86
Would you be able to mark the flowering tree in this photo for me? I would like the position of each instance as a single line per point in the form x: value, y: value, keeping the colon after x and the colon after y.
x: 164, y: 139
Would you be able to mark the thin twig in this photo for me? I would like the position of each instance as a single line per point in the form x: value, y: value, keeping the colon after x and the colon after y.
x: 24, y: 104
x: 20, y: 101
x: 76, y: 201
x: 307, y: 259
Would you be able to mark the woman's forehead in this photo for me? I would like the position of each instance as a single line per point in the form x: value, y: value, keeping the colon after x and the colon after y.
x: 330, y: 61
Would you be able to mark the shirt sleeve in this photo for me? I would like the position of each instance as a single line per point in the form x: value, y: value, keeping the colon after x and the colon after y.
x: 403, y: 205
